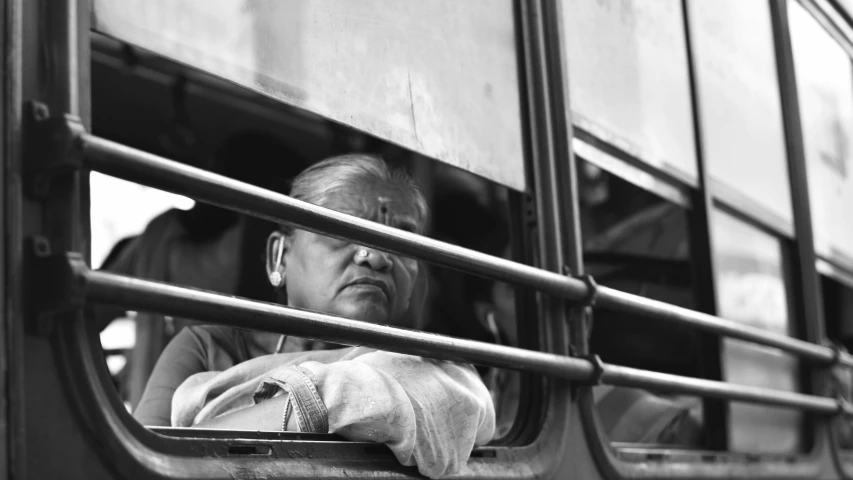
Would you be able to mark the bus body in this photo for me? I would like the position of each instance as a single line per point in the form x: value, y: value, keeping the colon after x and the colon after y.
x: 677, y: 173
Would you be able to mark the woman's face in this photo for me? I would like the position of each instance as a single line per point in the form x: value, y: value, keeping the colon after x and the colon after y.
x: 329, y: 275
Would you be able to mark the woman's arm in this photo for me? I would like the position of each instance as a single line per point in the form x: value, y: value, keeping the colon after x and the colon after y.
x: 267, y: 415
x: 430, y: 413
x: 184, y: 356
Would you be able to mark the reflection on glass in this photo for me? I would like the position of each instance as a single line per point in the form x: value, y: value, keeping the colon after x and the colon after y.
x: 824, y: 77
x: 751, y: 288
x: 438, y: 77
x: 629, y: 83
x: 743, y: 137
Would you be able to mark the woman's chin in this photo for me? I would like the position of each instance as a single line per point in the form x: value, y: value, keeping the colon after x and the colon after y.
x: 370, y: 313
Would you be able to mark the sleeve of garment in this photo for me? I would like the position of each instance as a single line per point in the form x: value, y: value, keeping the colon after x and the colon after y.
x: 429, y: 413
x: 121, y: 260
x: 183, y: 357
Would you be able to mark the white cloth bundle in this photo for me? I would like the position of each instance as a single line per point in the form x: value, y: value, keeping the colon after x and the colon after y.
x: 430, y: 413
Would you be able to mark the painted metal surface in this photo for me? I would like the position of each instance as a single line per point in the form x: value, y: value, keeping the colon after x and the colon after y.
x: 824, y: 75
x: 629, y: 81
x: 438, y: 77
x: 741, y: 113
x: 846, y: 6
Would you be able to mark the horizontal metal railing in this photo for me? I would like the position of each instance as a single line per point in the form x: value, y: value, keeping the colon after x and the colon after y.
x: 134, y: 165
x: 143, y: 295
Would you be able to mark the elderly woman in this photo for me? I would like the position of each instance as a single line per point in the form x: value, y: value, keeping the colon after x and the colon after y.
x: 430, y: 413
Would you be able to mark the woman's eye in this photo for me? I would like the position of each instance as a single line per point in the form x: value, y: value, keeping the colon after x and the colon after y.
x: 336, y: 243
x: 407, y: 227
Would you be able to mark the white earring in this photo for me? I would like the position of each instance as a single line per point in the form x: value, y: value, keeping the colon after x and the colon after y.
x: 276, y: 276
x: 276, y: 279
x: 362, y: 253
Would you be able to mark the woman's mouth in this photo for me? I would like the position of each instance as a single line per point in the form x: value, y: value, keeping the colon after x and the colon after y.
x: 369, y: 283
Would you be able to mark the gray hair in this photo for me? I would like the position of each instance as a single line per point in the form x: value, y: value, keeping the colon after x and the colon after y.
x: 319, y: 181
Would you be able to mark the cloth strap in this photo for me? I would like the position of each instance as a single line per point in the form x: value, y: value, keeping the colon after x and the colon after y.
x: 298, y: 382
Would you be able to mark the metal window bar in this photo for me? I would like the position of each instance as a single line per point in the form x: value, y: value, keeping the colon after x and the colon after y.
x: 86, y: 285
x: 134, y: 165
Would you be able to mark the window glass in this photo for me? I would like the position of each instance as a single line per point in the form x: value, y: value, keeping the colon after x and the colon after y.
x: 473, y: 213
x: 438, y: 77
x: 628, y: 79
x: 741, y: 116
x: 637, y: 242
x: 825, y: 88
x: 751, y: 288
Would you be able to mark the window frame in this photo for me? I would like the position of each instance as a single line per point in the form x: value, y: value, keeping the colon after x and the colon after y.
x: 66, y: 353
x: 64, y: 345
x: 798, y: 252
x: 835, y: 19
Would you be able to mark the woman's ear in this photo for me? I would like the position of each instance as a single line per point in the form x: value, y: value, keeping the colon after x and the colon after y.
x: 277, y: 244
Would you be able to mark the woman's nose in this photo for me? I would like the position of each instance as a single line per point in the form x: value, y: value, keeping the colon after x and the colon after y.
x: 375, y: 259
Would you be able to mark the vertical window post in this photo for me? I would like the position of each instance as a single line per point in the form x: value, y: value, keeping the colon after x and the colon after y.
x: 808, y: 305
x: 702, y: 251
x: 50, y: 69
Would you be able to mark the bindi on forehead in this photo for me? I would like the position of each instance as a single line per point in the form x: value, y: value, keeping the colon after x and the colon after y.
x: 373, y: 199
x: 383, y: 205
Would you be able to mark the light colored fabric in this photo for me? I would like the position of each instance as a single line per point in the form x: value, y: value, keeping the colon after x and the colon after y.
x: 430, y: 413
x: 207, y: 395
x: 505, y: 387
x: 637, y: 416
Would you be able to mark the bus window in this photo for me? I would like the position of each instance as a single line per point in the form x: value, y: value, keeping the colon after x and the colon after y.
x: 637, y: 242
x: 824, y: 76
x: 628, y: 79
x: 753, y: 287
x: 740, y: 108
x: 397, y: 80
x: 467, y: 210
x: 150, y: 104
